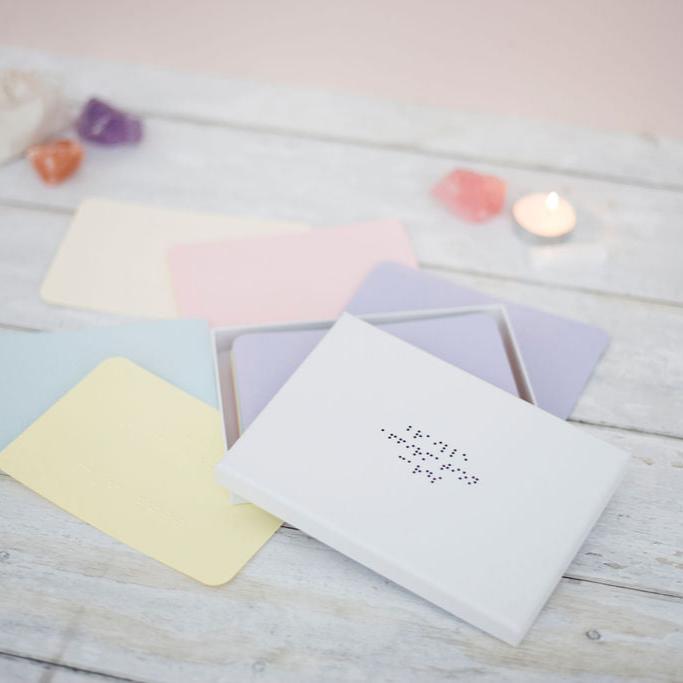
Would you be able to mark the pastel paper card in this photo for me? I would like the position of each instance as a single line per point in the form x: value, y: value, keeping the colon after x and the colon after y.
x: 263, y: 361
x: 282, y: 278
x: 113, y: 257
x: 134, y: 456
x: 560, y: 354
x: 37, y: 368
x: 456, y: 490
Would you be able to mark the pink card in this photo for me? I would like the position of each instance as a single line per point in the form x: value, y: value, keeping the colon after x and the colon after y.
x: 283, y: 278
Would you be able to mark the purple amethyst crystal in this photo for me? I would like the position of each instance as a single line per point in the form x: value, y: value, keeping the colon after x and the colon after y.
x: 102, y: 123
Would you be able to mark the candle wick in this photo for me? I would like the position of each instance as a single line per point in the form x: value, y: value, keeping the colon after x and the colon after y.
x: 552, y: 201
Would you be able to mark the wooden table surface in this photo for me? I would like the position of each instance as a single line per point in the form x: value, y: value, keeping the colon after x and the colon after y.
x: 76, y: 605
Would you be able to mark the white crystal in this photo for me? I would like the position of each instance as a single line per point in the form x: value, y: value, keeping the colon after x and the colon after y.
x: 32, y: 108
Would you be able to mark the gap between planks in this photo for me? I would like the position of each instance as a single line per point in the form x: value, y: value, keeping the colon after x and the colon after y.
x: 410, y: 149
x: 49, y: 666
x: 550, y: 285
x: 615, y: 428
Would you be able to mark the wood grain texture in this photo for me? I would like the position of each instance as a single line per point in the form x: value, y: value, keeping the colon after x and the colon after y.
x: 76, y: 605
x: 299, y: 611
x: 644, y: 159
x: 638, y: 383
x: 637, y: 542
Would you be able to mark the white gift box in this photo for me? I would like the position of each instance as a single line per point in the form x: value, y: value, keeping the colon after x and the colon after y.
x: 444, y: 483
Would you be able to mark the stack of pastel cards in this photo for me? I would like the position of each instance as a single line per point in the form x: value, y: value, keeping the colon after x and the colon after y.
x: 263, y: 361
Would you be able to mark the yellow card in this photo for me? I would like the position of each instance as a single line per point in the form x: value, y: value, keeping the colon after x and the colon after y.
x: 134, y: 456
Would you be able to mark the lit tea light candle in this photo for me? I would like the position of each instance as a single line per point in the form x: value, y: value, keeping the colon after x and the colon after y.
x: 545, y: 215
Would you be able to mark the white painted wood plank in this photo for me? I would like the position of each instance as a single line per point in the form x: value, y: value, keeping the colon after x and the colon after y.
x: 638, y: 541
x: 631, y: 158
x: 637, y: 385
x: 299, y: 611
x: 28, y: 242
x: 13, y: 670
x: 628, y: 242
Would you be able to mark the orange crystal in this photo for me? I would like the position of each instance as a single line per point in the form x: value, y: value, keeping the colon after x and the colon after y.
x: 57, y: 160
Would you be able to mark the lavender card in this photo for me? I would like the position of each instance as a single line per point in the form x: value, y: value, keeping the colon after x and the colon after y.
x: 559, y: 354
x: 263, y: 361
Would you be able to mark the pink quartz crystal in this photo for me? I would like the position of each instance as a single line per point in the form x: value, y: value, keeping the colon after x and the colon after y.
x: 472, y: 196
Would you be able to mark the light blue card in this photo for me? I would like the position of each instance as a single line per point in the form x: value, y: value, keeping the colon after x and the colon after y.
x: 37, y: 368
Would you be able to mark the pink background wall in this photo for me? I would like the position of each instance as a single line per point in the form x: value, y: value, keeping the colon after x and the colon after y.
x: 601, y: 63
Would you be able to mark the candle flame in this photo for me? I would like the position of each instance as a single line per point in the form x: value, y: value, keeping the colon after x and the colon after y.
x: 552, y: 201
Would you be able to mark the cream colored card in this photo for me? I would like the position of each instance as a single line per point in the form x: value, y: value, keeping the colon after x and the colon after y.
x: 134, y: 456
x: 114, y: 256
